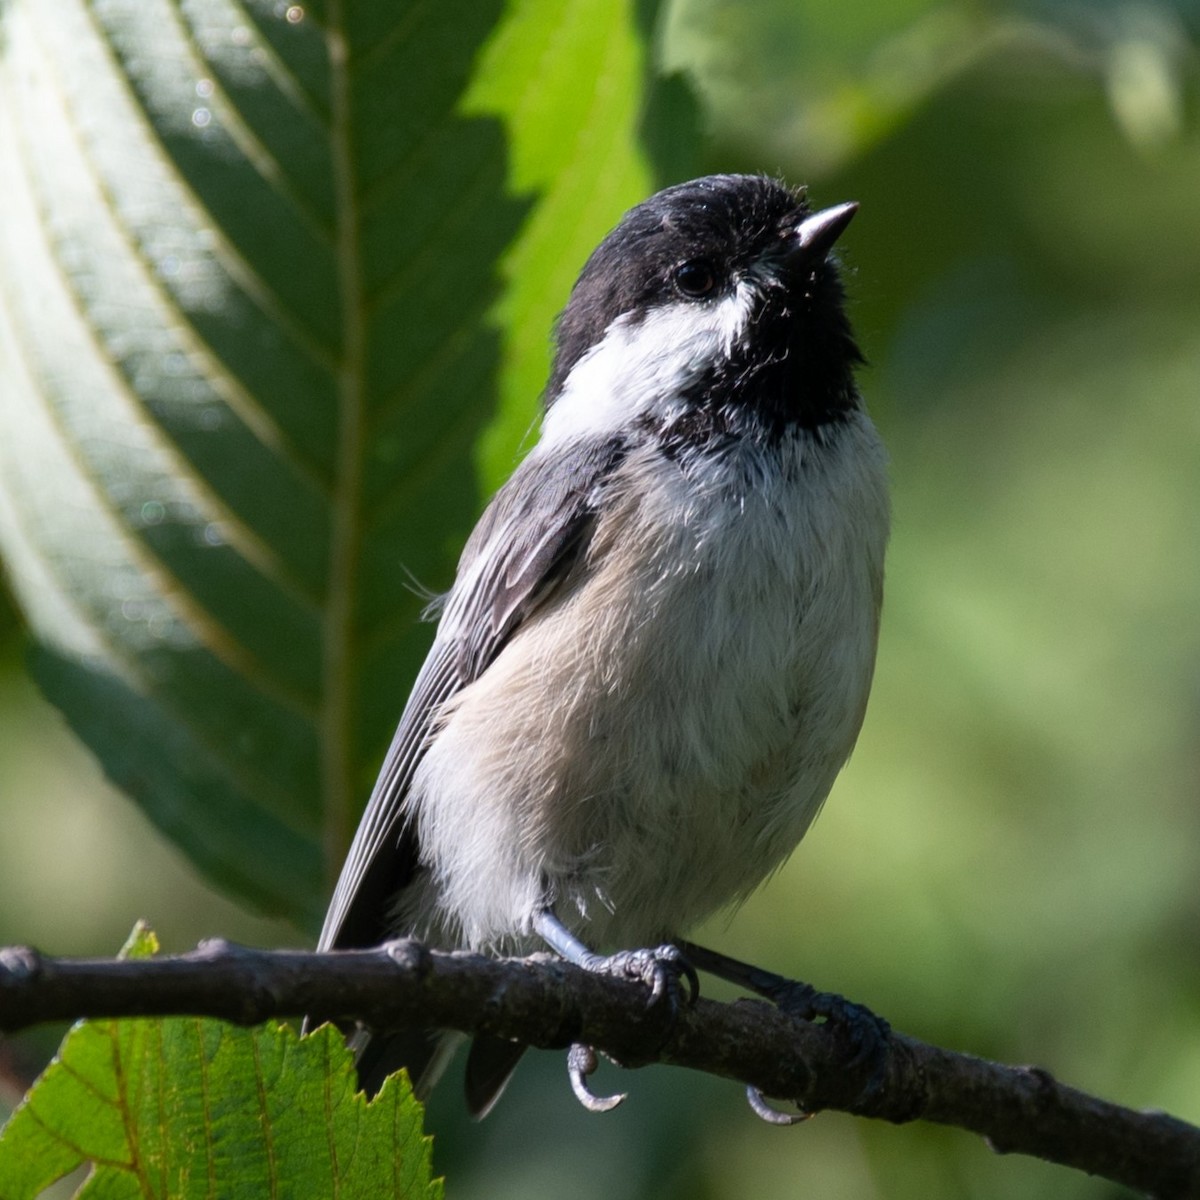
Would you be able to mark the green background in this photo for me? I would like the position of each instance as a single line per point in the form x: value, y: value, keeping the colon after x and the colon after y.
x: 1009, y: 864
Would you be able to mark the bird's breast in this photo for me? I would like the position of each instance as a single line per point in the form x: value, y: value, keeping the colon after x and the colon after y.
x: 658, y: 737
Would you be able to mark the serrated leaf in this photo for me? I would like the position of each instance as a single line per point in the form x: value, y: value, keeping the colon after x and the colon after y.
x: 188, y: 1107
x: 252, y: 326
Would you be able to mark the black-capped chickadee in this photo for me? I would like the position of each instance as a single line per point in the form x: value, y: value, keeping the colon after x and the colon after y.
x: 656, y: 654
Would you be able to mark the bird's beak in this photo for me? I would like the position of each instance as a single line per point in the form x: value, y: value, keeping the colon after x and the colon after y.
x: 813, y: 238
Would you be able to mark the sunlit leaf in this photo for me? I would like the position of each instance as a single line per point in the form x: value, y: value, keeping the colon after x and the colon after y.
x: 188, y: 1107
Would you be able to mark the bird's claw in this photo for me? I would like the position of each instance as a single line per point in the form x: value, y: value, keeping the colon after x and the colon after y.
x: 866, y: 1031
x: 582, y: 1062
x: 670, y: 978
x: 769, y: 1113
x: 663, y: 969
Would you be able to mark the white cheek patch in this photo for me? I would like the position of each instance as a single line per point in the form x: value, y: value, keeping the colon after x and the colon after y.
x: 642, y: 367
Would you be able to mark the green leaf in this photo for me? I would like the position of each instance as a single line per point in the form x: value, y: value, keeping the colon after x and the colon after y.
x: 270, y: 274
x: 574, y: 142
x: 188, y: 1107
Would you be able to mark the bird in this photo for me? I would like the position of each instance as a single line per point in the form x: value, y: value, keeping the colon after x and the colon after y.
x: 657, y: 650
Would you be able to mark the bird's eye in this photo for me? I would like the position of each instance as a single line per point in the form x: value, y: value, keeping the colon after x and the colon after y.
x: 695, y: 279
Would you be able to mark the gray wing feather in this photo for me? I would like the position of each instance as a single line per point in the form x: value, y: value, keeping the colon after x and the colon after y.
x: 533, y: 531
x: 383, y: 855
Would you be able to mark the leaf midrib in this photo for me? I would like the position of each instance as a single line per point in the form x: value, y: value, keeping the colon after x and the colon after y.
x: 345, y: 526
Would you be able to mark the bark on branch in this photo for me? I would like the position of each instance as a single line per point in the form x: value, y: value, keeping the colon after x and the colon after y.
x: 551, y: 1004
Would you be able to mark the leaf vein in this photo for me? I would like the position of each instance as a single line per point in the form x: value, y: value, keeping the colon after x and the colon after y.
x: 252, y: 148
x: 223, y: 382
x: 264, y: 1115
x: 337, y: 712
x: 468, y: 200
x: 284, y: 78
x: 249, y: 784
x: 57, y: 1135
x: 85, y: 1082
x: 207, y: 631
x: 193, y: 616
x: 206, y: 1105
x: 388, y: 43
x: 223, y: 251
x: 113, y: 1031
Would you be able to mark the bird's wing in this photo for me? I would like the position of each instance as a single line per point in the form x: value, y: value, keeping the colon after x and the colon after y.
x: 531, y: 534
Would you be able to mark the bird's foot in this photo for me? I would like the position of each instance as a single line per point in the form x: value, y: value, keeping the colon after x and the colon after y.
x: 582, y: 1062
x: 671, y: 980
x: 663, y: 969
x: 866, y: 1032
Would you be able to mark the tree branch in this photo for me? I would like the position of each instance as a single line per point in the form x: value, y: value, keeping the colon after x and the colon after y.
x: 551, y: 1004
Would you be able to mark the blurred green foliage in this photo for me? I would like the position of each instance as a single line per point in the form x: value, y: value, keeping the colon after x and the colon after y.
x: 1010, y: 864
x: 8, y: 612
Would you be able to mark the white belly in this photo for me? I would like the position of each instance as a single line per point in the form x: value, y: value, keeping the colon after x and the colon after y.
x: 658, y: 738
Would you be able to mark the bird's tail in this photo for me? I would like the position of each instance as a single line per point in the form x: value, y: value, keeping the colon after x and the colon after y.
x: 424, y: 1052
x: 490, y: 1066
x: 427, y: 1052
